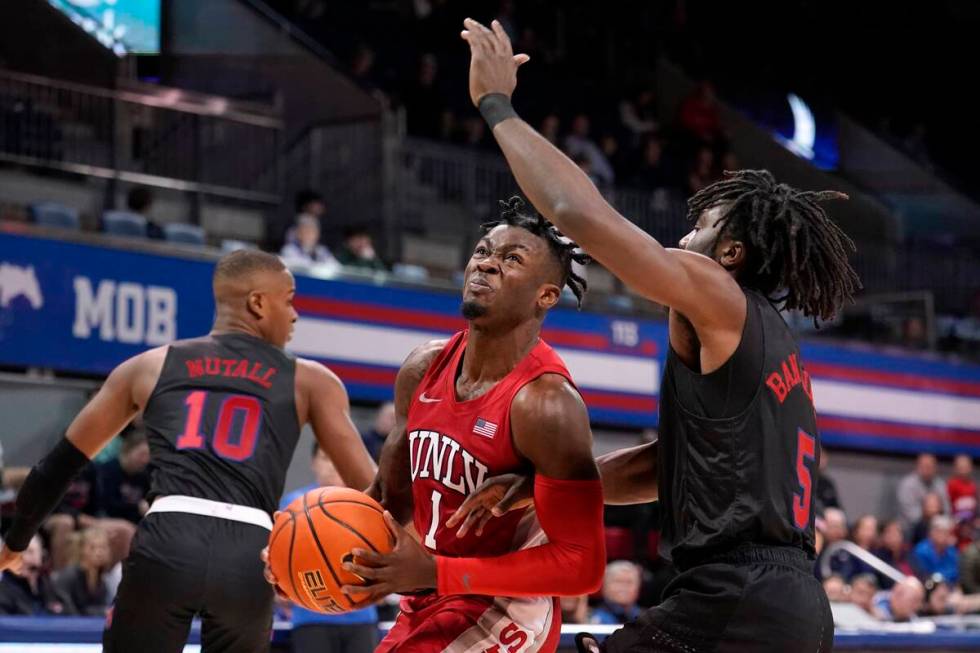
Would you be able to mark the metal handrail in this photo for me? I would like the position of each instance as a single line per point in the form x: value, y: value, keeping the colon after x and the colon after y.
x: 863, y: 555
x: 161, y: 137
x: 162, y: 98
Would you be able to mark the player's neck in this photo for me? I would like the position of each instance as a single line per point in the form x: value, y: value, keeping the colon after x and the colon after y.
x: 225, y: 323
x: 492, y: 355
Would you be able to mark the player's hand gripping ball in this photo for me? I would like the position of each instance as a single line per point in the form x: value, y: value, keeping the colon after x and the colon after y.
x: 312, y: 539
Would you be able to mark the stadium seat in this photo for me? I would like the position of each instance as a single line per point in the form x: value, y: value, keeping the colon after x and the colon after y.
x: 179, y: 232
x: 410, y: 272
x: 52, y: 214
x: 124, y: 223
x: 231, y: 245
x: 653, y: 545
x: 620, y: 543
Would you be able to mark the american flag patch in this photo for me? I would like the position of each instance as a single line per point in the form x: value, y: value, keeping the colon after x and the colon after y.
x: 485, y: 428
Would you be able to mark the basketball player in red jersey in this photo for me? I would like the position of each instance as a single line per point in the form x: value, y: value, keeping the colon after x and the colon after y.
x: 739, y: 444
x: 492, y: 399
x: 223, y: 414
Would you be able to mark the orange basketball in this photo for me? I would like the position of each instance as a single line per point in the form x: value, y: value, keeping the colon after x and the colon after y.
x: 313, y: 537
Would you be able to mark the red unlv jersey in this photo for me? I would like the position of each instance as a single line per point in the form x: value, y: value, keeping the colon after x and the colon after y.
x: 455, y: 445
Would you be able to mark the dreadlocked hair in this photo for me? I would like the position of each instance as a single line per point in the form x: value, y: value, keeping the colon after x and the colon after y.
x: 513, y: 213
x: 797, y: 255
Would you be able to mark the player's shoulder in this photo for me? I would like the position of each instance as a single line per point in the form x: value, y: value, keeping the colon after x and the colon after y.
x: 150, y: 361
x: 547, y: 396
x: 422, y: 356
x: 313, y: 373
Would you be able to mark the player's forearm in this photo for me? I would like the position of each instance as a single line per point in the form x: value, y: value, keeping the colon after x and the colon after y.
x: 629, y: 475
x: 575, y: 542
x: 42, y: 491
x: 553, y: 183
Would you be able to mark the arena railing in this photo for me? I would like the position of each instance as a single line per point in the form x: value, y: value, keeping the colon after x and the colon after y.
x: 142, y: 134
x: 864, y: 556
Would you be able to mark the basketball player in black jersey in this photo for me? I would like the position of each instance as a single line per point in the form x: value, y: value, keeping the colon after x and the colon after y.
x: 223, y: 414
x: 737, y: 456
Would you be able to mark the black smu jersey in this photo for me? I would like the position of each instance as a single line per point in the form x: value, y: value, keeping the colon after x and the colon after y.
x: 739, y: 446
x: 222, y: 421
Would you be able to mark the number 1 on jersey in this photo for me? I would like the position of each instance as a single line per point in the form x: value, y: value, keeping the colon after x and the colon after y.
x: 430, y: 537
x: 805, y: 451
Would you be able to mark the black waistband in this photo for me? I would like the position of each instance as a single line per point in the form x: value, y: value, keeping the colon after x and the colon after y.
x: 755, y: 554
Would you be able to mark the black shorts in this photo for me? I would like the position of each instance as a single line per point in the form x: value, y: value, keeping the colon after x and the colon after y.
x: 183, y: 565
x: 753, y: 599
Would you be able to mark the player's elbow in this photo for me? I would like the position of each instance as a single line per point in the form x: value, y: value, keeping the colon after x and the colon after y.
x: 589, y: 569
x: 594, y: 569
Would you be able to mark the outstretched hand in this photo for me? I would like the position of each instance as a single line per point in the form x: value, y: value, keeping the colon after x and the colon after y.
x: 493, y: 64
x: 494, y: 497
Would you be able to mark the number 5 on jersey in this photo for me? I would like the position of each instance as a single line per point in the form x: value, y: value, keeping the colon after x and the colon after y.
x: 805, y: 452
x: 241, y: 410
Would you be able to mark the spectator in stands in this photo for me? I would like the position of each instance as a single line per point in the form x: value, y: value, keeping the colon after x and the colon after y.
x: 913, y: 488
x: 699, y: 114
x: 833, y: 529
x: 551, y: 128
x: 358, y: 250
x: 76, y: 510
x: 123, y: 482
x: 835, y: 587
x: 862, y: 594
x: 970, y: 568
x: 702, y: 172
x: 384, y: 421
x: 652, y: 172
x: 615, y: 155
x: 620, y: 591
x: 574, y: 609
x: 303, y: 246
x: 426, y: 113
x: 902, y: 602
x: 638, y: 116
x: 313, y: 632
x: 84, y: 587
x: 472, y: 133
x: 363, y: 74
x: 932, y: 505
x: 579, y: 144
x: 140, y: 200
x: 892, y: 547
x: 937, y: 554
x: 938, y: 596
x: 29, y: 592
x: 914, y: 334
x: 825, y: 493
x: 961, y: 484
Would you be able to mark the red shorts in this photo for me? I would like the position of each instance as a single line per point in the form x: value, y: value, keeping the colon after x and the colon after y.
x: 474, y: 624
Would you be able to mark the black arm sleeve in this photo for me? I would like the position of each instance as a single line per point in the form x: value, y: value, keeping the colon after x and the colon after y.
x: 42, y: 491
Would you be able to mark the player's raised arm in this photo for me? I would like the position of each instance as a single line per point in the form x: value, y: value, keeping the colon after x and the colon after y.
x: 693, y: 284
x: 393, y: 485
x: 120, y: 398
x: 328, y: 412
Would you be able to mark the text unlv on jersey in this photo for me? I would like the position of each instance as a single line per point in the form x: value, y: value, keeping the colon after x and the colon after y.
x: 442, y: 459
